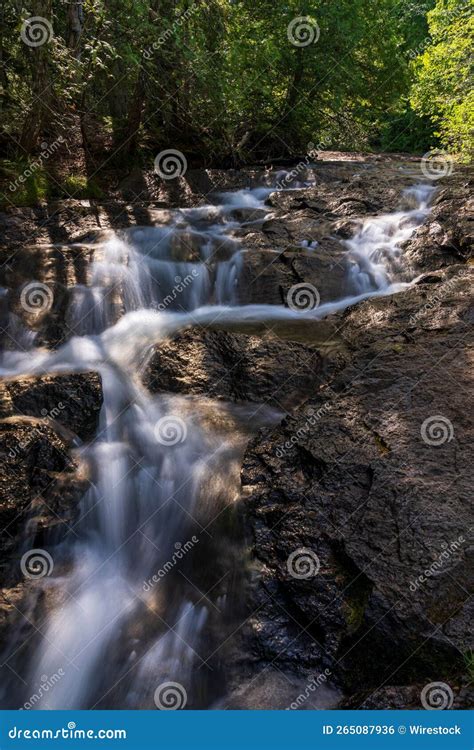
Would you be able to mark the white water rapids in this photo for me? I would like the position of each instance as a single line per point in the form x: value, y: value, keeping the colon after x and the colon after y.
x: 163, y: 469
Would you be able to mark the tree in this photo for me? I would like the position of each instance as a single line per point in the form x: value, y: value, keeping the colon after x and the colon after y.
x: 443, y: 85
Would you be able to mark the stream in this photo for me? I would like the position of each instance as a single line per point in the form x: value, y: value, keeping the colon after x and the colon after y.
x: 149, y: 588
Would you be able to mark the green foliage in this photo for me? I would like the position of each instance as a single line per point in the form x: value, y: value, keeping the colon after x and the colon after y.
x: 20, y: 184
x: 407, y: 132
x: 25, y: 183
x: 75, y: 186
x: 443, y: 84
x: 222, y: 81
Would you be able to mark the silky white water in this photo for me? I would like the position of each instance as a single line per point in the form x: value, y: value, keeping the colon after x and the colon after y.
x: 160, y: 470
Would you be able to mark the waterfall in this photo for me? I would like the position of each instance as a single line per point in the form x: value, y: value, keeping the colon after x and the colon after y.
x: 123, y: 615
x: 374, y: 252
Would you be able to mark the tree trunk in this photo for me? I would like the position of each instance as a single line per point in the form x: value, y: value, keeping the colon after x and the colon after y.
x: 293, y: 88
x: 75, y: 23
x: 39, y: 114
x: 134, y: 118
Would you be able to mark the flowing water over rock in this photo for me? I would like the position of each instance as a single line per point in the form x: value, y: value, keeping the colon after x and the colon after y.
x: 149, y: 585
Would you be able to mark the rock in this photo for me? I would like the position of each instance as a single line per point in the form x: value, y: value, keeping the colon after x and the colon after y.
x: 352, y: 206
x: 40, y: 487
x: 236, y: 367
x: 248, y: 214
x: 346, y: 481
x: 350, y: 482
x: 274, y: 690
x: 346, y: 229
x: 41, y: 419
x: 73, y: 400
x: 447, y: 238
x: 267, y: 276
x: 400, y: 698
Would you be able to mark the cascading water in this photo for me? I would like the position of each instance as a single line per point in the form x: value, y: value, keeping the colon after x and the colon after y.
x: 374, y: 252
x: 124, y: 613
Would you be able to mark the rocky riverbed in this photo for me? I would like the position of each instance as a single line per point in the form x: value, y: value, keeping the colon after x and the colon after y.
x: 365, y: 467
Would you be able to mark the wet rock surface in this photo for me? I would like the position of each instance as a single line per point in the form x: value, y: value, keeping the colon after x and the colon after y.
x: 42, y: 421
x: 372, y: 479
x: 236, y: 368
x: 38, y: 482
x: 54, y: 243
x: 347, y: 474
x: 73, y: 401
x: 448, y: 237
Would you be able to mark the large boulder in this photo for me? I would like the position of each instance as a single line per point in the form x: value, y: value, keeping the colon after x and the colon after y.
x: 367, y: 487
x: 40, y: 485
x: 72, y: 400
x: 236, y: 367
x: 447, y: 238
x: 42, y: 420
x: 268, y: 275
